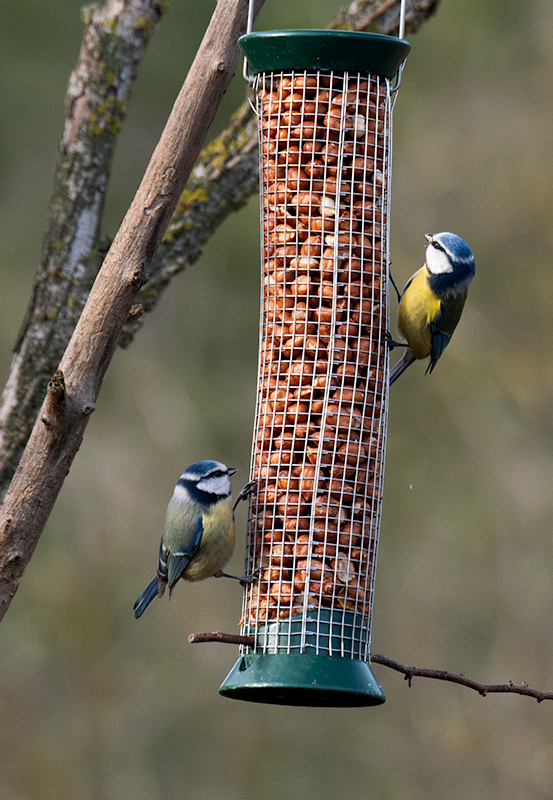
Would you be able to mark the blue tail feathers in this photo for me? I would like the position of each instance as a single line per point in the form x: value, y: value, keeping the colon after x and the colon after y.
x: 145, y: 598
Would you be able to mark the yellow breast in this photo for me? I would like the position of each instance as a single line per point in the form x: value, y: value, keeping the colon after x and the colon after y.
x: 217, y: 542
x: 418, y: 308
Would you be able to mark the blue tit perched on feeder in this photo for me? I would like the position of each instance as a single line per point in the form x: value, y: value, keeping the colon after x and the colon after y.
x: 433, y: 299
x: 198, y: 536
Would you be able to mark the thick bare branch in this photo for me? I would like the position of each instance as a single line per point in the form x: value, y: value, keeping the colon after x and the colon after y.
x: 114, y: 41
x: 59, y: 429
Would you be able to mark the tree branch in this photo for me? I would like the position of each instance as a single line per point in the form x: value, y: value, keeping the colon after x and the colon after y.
x: 55, y: 438
x: 224, y: 638
x: 409, y: 672
x: 452, y: 677
x: 221, y: 182
x: 114, y: 41
x: 382, y: 16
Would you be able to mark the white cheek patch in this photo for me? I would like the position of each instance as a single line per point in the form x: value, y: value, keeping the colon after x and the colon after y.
x: 437, y: 261
x: 216, y: 484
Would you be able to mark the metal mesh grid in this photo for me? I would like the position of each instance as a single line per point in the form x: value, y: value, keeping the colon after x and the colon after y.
x: 321, y: 416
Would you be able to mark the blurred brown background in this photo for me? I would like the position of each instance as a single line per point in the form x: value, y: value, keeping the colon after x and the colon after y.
x: 95, y: 705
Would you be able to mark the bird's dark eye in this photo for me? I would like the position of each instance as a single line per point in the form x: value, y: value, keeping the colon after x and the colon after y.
x: 437, y: 245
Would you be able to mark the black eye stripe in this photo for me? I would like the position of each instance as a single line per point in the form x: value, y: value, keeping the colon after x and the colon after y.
x: 208, y: 475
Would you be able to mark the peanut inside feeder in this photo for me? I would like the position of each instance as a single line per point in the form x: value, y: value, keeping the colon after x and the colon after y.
x: 320, y: 430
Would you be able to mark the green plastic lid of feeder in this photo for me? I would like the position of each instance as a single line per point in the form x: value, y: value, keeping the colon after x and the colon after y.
x: 323, y: 50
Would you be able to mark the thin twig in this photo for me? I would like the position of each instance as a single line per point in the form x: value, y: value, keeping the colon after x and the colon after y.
x: 453, y: 677
x: 219, y: 636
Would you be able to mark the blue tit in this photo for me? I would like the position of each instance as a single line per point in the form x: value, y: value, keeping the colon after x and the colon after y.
x: 198, y: 536
x: 433, y: 299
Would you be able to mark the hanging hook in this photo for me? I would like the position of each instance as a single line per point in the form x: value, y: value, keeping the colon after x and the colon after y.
x: 247, y: 77
x: 401, y: 35
x: 253, y: 93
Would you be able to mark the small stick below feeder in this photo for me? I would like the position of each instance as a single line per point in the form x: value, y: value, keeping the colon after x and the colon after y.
x: 219, y: 636
x: 439, y: 674
x: 409, y: 672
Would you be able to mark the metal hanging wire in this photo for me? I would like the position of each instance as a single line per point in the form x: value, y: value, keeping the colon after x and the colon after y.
x: 401, y: 32
x: 247, y: 77
x: 401, y: 35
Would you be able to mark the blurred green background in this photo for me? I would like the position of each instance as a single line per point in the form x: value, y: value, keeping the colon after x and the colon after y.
x: 94, y: 705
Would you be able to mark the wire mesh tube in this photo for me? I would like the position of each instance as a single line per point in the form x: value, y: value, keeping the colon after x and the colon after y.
x: 321, y: 416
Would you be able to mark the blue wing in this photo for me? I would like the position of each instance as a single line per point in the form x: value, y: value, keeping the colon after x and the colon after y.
x: 440, y: 341
x: 171, y: 565
x: 444, y: 324
x: 177, y: 561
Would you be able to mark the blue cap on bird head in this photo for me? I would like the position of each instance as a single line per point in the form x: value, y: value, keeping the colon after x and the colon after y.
x: 449, y: 261
x: 455, y: 247
x: 201, y: 468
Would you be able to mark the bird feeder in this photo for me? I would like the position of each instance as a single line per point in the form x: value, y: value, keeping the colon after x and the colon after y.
x: 324, y: 101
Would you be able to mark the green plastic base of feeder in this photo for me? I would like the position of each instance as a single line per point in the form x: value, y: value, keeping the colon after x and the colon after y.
x: 302, y: 679
x: 324, y: 50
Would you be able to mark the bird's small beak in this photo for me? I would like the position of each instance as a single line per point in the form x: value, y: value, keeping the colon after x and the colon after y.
x: 428, y: 237
x: 231, y: 470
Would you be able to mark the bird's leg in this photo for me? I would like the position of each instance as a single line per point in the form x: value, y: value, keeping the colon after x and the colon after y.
x: 244, y: 492
x: 394, y: 284
x: 392, y: 344
x: 244, y: 579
